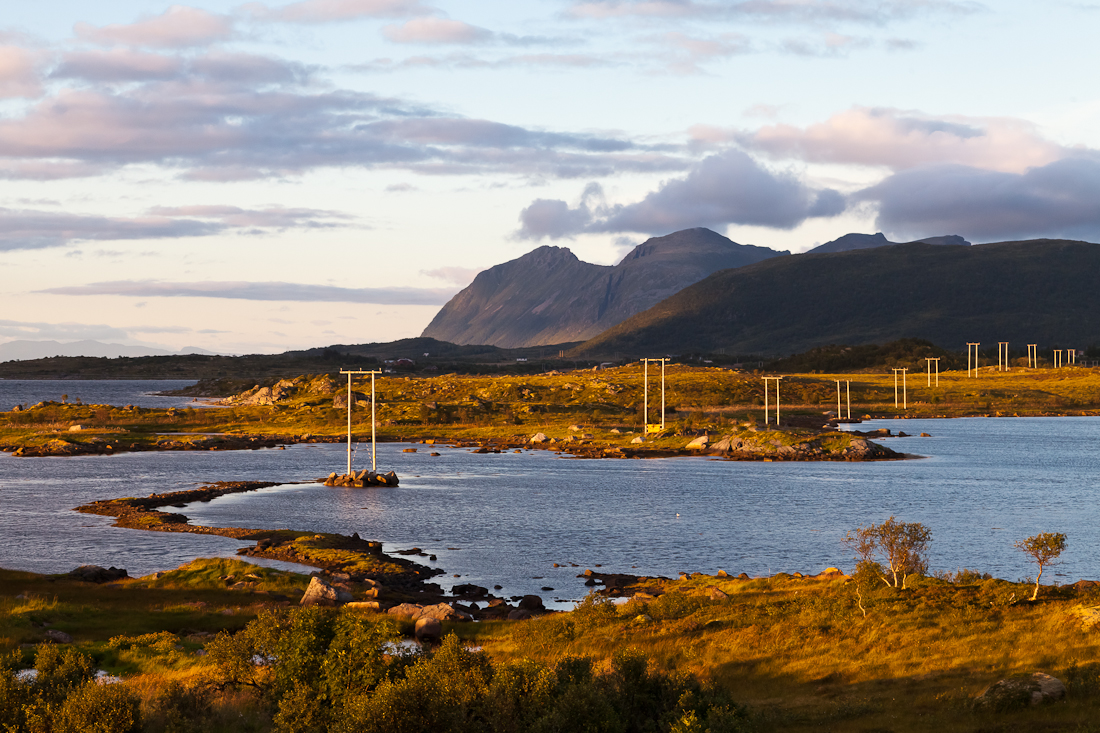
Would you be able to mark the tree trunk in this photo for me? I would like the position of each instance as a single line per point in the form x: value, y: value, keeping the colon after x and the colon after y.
x: 1036, y: 593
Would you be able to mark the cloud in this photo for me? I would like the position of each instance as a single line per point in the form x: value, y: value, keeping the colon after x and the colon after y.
x: 899, y: 139
x: 262, y: 291
x: 829, y: 45
x: 468, y: 61
x: 49, y: 170
x: 238, y: 117
x: 118, y: 65
x: 69, y: 331
x: 277, y: 217
x: 457, y: 275
x: 730, y: 188
x: 178, y: 27
x: 29, y: 229
x: 19, y: 73
x: 691, y: 51
x: 444, y: 31
x: 1060, y: 199
x: 437, y: 30
x: 329, y: 11
x: 816, y: 12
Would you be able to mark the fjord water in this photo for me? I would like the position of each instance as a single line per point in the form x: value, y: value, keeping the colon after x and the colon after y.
x: 507, y: 518
x: 118, y: 392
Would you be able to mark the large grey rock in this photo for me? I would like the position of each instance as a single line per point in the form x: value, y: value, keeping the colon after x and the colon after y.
x: 444, y: 612
x: 1018, y: 692
x: 538, y: 438
x: 531, y: 603
x: 406, y: 610
x: 699, y: 443
x: 321, y: 593
x: 59, y: 637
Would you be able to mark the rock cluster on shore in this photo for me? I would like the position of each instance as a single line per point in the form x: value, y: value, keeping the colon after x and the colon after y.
x: 361, y: 479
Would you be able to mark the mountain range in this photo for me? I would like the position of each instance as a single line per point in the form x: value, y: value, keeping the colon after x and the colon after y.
x: 1039, y: 291
x: 24, y: 349
x: 548, y: 296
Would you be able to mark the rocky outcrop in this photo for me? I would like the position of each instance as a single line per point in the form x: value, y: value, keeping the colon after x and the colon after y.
x: 284, y: 389
x: 777, y: 447
x: 362, y: 479
x: 322, y: 593
x: 438, y: 612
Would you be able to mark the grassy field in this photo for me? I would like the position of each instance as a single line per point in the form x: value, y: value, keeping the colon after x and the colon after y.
x: 792, y: 654
x: 606, y: 404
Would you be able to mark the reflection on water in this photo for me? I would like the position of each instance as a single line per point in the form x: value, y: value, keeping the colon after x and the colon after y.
x: 507, y: 518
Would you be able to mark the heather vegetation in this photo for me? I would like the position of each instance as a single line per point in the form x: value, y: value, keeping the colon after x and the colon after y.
x: 718, y: 653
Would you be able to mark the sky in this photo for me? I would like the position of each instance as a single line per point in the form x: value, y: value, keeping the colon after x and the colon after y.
x: 262, y: 176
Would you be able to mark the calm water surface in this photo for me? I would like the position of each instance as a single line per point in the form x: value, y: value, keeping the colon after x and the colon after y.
x: 507, y: 518
x: 117, y: 392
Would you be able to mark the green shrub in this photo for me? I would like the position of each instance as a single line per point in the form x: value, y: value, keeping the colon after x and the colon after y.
x: 180, y: 709
x: 99, y: 708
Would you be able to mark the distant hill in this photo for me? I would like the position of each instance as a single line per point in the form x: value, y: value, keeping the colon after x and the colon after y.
x: 548, y: 296
x: 867, y: 241
x: 266, y: 368
x: 1040, y: 291
x: 24, y: 349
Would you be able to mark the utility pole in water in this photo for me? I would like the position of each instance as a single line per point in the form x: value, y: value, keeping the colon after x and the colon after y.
x: 373, y: 445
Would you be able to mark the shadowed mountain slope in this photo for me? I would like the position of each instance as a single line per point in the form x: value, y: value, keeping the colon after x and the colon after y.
x: 1040, y: 291
x: 548, y: 296
x: 867, y: 241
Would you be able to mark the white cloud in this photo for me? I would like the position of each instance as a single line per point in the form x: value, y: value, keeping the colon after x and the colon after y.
x: 178, y: 27
x: 899, y: 139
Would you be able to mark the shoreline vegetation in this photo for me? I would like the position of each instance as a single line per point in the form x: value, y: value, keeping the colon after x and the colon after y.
x: 584, y: 413
x: 782, y: 653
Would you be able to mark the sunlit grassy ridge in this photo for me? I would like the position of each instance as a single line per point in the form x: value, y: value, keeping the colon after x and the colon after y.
x: 782, y: 653
x: 479, y: 408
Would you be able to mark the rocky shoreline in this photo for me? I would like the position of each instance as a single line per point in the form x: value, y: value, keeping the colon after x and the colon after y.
x: 350, y: 569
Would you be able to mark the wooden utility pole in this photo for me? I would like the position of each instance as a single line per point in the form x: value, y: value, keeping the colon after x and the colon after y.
x: 969, y: 346
x: 766, y: 380
x: 931, y: 359
x: 905, y: 396
x: 848, y: 387
x: 645, y: 398
x: 373, y: 444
